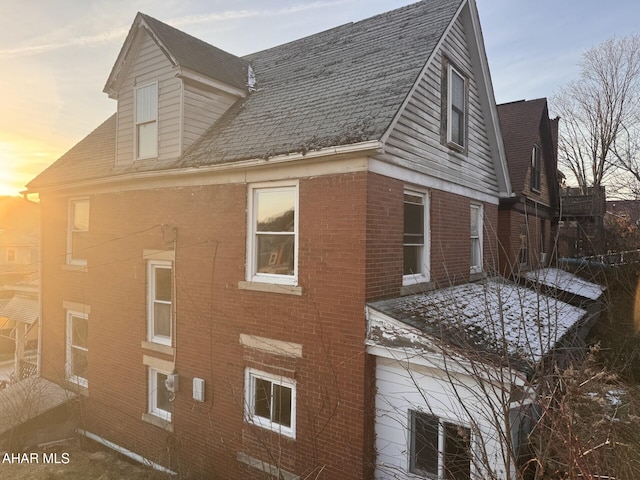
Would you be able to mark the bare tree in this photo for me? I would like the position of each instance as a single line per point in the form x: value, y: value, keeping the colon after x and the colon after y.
x: 601, y: 113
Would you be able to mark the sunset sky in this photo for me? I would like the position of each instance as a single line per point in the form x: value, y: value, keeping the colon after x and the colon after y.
x: 56, y: 55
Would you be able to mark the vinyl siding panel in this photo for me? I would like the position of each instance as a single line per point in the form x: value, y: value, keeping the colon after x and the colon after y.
x: 403, y: 387
x: 150, y: 65
x: 415, y: 142
x: 201, y: 110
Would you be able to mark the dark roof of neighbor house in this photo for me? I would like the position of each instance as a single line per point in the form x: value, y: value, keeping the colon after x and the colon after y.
x: 337, y: 87
x: 496, y: 318
x: 520, y: 126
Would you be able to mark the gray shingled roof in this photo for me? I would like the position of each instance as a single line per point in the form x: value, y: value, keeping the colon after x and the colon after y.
x: 495, y: 317
x: 338, y: 87
x: 199, y: 56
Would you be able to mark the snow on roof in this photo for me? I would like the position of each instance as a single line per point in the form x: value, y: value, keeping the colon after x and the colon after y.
x: 493, y: 316
x: 567, y: 282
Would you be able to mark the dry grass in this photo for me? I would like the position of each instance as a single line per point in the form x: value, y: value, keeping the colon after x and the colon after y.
x: 81, y: 465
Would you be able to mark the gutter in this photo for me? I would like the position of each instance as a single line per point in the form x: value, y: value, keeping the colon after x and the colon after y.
x: 355, y: 148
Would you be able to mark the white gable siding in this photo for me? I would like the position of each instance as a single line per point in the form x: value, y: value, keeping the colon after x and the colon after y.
x: 201, y: 109
x: 150, y: 65
x: 415, y: 141
x: 457, y: 398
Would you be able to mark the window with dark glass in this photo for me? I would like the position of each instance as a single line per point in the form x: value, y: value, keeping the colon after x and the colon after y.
x: 456, y: 107
x: 413, y: 240
x: 439, y: 449
x: 536, y: 169
x: 271, y: 402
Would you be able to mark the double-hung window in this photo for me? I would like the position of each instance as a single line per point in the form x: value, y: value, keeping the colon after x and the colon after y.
x: 415, y: 238
x: 270, y: 402
x: 160, y: 301
x: 159, y: 395
x: 439, y: 449
x: 476, y: 238
x: 536, y: 168
x: 273, y: 238
x: 77, y: 231
x: 77, y: 364
x: 146, y: 112
x: 456, y: 108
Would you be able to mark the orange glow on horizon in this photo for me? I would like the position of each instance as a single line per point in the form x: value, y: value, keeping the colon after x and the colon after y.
x: 20, y: 161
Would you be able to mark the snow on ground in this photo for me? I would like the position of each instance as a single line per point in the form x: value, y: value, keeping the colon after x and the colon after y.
x: 567, y: 282
x: 493, y: 315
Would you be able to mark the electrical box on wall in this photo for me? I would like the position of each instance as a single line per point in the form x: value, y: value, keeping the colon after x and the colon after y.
x: 198, y: 389
x: 172, y: 382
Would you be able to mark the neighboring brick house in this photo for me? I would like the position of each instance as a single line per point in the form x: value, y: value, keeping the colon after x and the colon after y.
x: 526, y: 220
x: 581, y: 222
x: 209, y: 250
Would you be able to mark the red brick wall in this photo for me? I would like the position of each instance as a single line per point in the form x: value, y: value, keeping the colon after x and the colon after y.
x: 350, y: 251
x: 328, y: 320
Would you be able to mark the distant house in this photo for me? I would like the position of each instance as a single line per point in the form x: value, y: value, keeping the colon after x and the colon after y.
x: 19, y: 252
x: 527, y: 220
x: 217, y: 253
x: 581, y: 222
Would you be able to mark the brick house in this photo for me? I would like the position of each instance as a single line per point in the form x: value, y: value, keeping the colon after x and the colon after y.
x: 209, y: 250
x: 527, y: 220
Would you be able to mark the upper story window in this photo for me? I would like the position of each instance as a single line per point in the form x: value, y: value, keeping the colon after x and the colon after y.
x: 476, y: 238
x: 439, y: 449
x: 160, y: 295
x: 77, y: 231
x: 77, y: 351
x: 273, y: 234
x: 416, y: 237
x: 146, y: 122
x: 456, y: 108
x: 271, y: 402
x: 536, y: 168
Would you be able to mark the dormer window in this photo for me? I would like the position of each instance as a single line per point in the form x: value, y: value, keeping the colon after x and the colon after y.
x: 146, y: 133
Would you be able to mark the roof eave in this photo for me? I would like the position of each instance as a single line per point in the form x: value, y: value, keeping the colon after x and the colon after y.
x: 372, y: 146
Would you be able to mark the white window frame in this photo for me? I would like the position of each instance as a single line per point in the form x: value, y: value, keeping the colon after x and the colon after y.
x: 424, y: 274
x: 250, y: 394
x: 441, y: 445
x: 71, y: 377
x: 451, y: 70
x: 479, y: 216
x: 145, y: 121
x: 252, y: 274
x: 152, y: 265
x: 154, y: 383
x: 71, y: 260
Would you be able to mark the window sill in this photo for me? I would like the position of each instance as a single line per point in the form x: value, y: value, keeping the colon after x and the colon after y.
x: 475, y: 276
x: 74, y: 268
x: 156, y: 347
x: 157, y: 421
x: 414, y: 288
x: 270, y: 288
x: 77, y: 388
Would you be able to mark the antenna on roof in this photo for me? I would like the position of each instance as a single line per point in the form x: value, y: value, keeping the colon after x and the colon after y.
x: 251, y: 79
